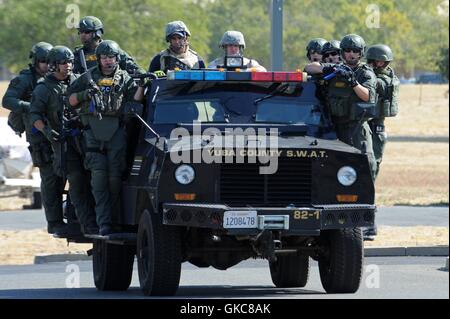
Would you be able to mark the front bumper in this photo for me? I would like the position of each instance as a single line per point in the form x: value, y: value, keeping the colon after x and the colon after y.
x: 289, y: 220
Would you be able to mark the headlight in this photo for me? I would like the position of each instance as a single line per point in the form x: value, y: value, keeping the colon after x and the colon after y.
x: 347, y: 176
x: 184, y: 174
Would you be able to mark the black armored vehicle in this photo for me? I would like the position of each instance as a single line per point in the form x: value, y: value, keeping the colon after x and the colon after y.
x: 226, y: 166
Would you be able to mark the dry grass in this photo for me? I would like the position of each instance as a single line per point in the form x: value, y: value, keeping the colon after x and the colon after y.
x: 3, y: 86
x: 414, y: 174
x: 410, y: 236
x: 20, y: 247
x: 423, y: 111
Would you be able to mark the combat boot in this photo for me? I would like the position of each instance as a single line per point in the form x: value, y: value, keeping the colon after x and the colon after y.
x: 58, y: 228
x: 106, y: 229
x: 91, y: 229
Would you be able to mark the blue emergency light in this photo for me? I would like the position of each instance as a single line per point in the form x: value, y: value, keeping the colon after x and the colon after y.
x: 209, y: 75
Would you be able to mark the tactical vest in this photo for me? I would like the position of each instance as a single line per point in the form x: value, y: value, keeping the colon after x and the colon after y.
x: 112, y: 90
x: 91, y: 60
x: 185, y: 61
x: 57, y: 97
x: 342, y: 98
x: 388, y: 101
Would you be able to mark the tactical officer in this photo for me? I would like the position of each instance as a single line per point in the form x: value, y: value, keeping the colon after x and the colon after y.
x: 354, y: 83
x: 90, y: 30
x: 331, y: 52
x: 102, y: 94
x: 17, y: 99
x: 314, y: 49
x: 233, y: 45
x: 46, y: 114
x: 178, y: 54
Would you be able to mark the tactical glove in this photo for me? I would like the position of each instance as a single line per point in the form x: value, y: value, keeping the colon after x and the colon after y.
x: 348, y: 75
x: 328, y: 70
x: 51, y: 135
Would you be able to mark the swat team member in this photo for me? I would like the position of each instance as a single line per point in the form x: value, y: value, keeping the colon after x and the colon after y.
x: 90, y: 30
x: 102, y: 94
x: 379, y: 57
x: 355, y: 83
x: 233, y: 44
x: 17, y: 99
x: 47, y: 108
x: 314, y: 49
x: 331, y: 52
x: 178, y: 54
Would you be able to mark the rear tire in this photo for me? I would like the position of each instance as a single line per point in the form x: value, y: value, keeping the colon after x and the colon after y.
x: 341, y: 267
x: 113, y: 265
x: 290, y: 271
x: 159, y: 256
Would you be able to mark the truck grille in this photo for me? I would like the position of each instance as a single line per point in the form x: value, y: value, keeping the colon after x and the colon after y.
x: 242, y: 185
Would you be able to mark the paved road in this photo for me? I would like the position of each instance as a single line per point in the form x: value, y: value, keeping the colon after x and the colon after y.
x: 391, y: 278
x: 391, y: 216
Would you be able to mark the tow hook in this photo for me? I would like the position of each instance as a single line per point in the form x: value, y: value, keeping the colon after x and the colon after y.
x: 264, y: 245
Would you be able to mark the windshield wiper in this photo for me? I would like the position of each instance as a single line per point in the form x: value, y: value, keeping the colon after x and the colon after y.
x: 282, y: 88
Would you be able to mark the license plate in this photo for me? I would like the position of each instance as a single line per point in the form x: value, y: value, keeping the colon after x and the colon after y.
x: 240, y: 219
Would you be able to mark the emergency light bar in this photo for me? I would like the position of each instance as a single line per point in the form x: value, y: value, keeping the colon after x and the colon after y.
x: 222, y: 75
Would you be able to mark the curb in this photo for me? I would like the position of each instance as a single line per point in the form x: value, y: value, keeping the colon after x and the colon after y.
x: 439, y: 251
x: 57, y: 258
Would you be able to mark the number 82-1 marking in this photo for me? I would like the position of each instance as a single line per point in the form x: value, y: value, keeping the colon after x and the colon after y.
x: 304, y: 214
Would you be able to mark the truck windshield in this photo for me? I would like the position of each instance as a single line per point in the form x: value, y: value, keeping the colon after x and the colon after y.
x: 187, y: 111
x: 279, y: 111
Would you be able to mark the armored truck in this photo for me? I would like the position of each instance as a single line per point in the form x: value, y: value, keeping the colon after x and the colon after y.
x: 224, y: 166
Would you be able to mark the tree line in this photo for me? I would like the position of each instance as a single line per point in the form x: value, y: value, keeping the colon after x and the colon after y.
x: 417, y: 31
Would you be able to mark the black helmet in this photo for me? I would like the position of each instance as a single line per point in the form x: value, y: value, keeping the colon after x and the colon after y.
x: 59, y: 55
x: 380, y: 52
x: 107, y: 47
x: 91, y: 24
x: 353, y: 42
x: 315, y: 45
x: 331, y: 46
x: 39, y: 52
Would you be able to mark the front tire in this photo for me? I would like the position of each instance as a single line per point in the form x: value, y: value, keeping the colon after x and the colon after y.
x: 159, y: 256
x: 341, y: 266
x: 112, y: 265
x: 290, y: 271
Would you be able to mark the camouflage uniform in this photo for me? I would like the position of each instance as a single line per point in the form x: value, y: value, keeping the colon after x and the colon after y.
x: 47, y: 105
x: 235, y: 38
x: 17, y: 99
x: 105, y: 139
x: 169, y: 60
